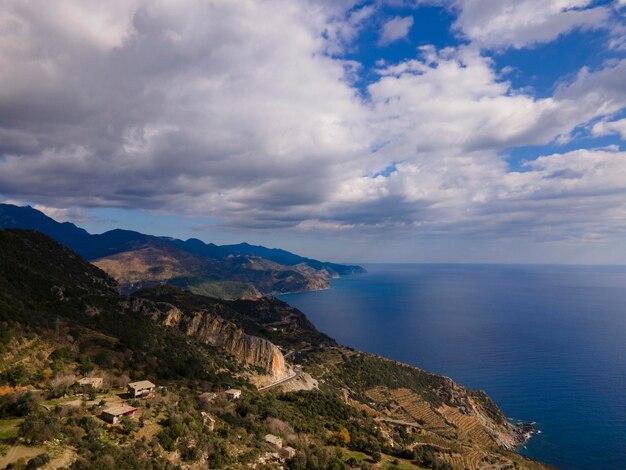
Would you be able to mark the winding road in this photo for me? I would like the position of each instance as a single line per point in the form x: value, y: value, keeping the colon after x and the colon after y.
x: 298, y: 373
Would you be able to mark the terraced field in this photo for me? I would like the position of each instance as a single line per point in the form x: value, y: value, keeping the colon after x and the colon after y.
x: 470, y: 460
x: 420, y: 410
x: 445, y: 428
x: 468, y: 427
x: 378, y: 394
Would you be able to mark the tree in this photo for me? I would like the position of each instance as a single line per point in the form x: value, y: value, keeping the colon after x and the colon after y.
x: 128, y: 424
x: 344, y: 436
x: 38, y: 427
x: 38, y: 461
x: 16, y: 375
x: 62, y: 380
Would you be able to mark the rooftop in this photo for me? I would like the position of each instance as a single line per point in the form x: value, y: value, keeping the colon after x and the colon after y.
x: 117, y: 410
x: 142, y: 384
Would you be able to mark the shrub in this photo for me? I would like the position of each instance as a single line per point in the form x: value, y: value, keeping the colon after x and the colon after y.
x: 16, y: 375
x: 37, y: 428
x: 18, y: 404
x: 38, y: 461
x: 62, y: 381
x: 128, y: 424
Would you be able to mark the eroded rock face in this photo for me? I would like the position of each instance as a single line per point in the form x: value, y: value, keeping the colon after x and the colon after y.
x: 213, y: 330
x: 208, y: 328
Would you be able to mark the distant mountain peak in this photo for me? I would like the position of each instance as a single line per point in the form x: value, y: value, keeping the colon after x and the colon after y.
x: 191, y: 262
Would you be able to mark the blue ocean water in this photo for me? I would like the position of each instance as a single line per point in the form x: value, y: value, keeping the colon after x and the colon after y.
x: 548, y: 343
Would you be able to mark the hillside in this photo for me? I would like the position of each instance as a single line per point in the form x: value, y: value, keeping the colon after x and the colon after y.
x: 137, y: 260
x: 62, y: 318
x: 236, y: 276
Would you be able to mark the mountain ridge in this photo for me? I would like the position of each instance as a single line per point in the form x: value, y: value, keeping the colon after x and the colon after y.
x: 228, y: 271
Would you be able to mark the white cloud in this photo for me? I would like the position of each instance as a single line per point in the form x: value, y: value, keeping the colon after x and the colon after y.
x: 210, y: 108
x: 618, y: 27
x: 520, y: 23
x: 610, y: 127
x: 394, y: 29
x: 344, y: 25
x: 446, y: 117
x: 453, y: 98
x: 235, y: 110
x: 62, y: 214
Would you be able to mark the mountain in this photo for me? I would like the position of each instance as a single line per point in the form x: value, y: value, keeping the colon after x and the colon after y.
x: 42, y: 280
x: 77, y: 239
x: 62, y: 318
x: 137, y: 260
x: 273, y: 254
x: 68, y: 234
x: 241, y: 276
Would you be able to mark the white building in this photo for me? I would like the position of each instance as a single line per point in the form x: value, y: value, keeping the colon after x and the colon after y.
x: 140, y: 389
x: 288, y: 452
x: 233, y: 394
x: 113, y: 414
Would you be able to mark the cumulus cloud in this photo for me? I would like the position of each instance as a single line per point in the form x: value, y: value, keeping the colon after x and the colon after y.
x: 242, y: 111
x: 446, y: 116
x: 394, y: 29
x: 453, y: 98
x: 610, y: 127
x: 520, y: 23
x: 618, y: 27
x: 204, y: 108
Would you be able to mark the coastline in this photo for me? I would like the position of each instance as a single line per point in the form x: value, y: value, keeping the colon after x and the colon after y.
x: 318, y: 289
x: 523, y: 430
x: 276, y: 294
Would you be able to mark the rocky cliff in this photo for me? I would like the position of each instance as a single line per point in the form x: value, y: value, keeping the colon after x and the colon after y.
x: 208, y: 328
x: 267, y: 317
x: 212, y: 330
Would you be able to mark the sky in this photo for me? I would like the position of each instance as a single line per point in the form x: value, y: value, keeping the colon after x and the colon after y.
x: 356, y: 131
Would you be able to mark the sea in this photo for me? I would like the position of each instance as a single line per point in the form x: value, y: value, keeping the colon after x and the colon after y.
x: 547, y: 343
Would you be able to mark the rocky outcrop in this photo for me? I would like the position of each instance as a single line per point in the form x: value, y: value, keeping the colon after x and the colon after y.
x: 210, y: 329
x: 315, y: 279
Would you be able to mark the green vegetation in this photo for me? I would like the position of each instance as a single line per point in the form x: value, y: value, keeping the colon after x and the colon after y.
x: 38, y: 461
x: 360, y: 372
x: 61, y: 318
x: 9, y: 429
x: 43, y: 285
x: 16, y: 375
x: 18, y: 404
x: 268, y: 318
x: 217, y: 289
